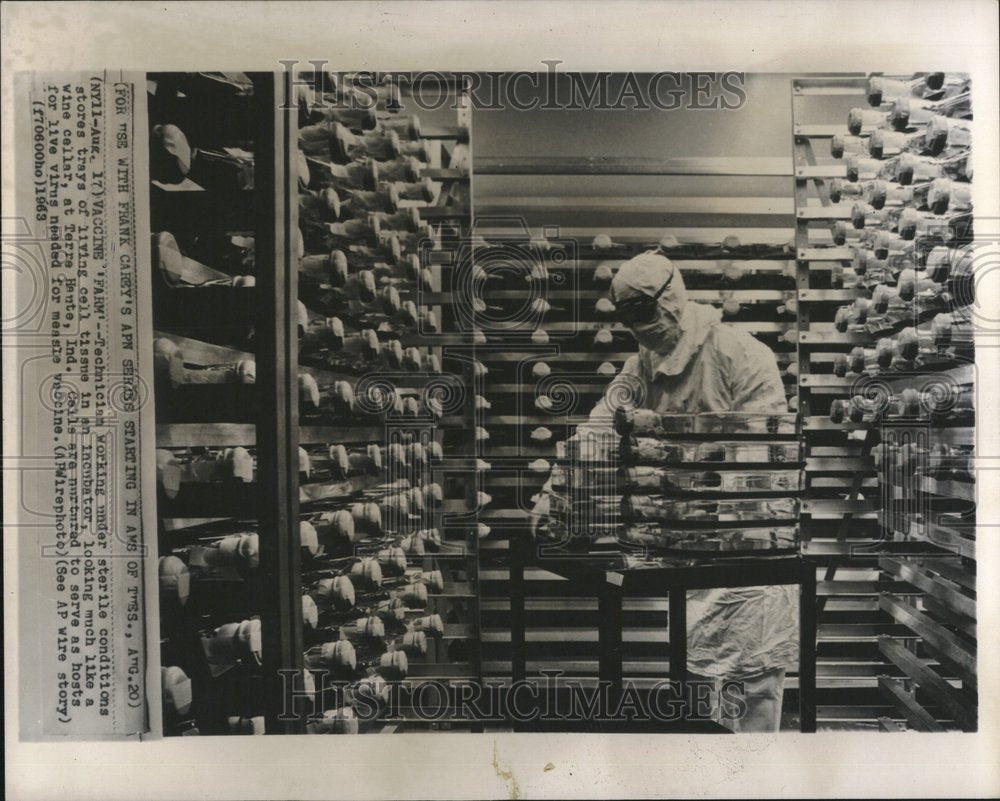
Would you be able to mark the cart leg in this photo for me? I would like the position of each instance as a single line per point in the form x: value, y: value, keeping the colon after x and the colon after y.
x: 609, y: 612
x: 807, y: 650
x: 678, y: 646
x: 519, y: 542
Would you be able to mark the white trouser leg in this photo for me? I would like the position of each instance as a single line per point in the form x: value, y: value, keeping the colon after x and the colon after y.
x: 762, y: 696
x: 756, y: 709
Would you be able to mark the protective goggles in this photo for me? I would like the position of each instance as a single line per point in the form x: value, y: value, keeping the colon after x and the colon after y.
x: 641, y: 309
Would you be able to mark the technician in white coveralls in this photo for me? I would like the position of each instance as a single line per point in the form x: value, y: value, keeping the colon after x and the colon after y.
x: 689, y: 361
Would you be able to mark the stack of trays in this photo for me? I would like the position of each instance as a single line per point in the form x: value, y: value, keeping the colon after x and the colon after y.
x: 710, y: 483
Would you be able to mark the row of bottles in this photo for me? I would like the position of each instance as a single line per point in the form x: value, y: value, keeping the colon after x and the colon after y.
x: 369, y: 501
x: 915, y: 382
x: 204, y: 165
x: 909, y: 175
x: 377, y: 591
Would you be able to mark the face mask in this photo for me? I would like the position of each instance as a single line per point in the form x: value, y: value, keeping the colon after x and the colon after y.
x: 661, y: 334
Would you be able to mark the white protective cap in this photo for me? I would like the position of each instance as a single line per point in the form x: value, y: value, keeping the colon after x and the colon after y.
x: 176, y: 690
x: 310, y: 612
x: 309, y: 538
x: 339, y: 654
x: 646, y: 274
x: 175, y: 578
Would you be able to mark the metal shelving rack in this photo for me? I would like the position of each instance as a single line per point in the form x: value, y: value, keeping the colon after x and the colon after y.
x: 270, y: 419
x: 211, y: 324
x: 909, y: 646
x: 452, y: 655
x: 840, y: 506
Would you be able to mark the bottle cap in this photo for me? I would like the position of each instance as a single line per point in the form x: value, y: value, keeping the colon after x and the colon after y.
x: 310, y: 612
x: 878, y: 194
x: 309, y: 538
x: 855, y: 120
x: 366, y: 573
x: 308, y: 390
x: 394, y: 663
x: 339, y: 654
x: 541, y: 434
x: 175, y: 578
x: 177, y: 690
x: 246, y: 371
x: 414, y: 642
x: 875, y: 92
x: 939, y: 195
x: 603, y: 273
x: 877, y: 143
x: 373, y: 628
x: 248, y: 635
x: 414, y: 595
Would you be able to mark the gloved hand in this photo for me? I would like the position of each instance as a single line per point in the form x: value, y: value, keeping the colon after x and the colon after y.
x: 539, y: 517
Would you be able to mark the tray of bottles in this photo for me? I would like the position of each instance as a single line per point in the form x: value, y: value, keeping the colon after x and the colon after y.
x: 698, y: 484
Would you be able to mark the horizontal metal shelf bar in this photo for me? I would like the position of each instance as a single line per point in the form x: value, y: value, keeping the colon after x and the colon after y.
x: 825, y: 131
x: 964, y: 713
x: 630, y: 204
x: 651, y: 236
x: 963, y: 654
x: 835, y: 212
x: 831, y: 295
x: 918, y: 717
x: 601, y: 165
x: 830, y: 336
x: 923, y: 579
x: 825, y: 254
x: 804, y: 171
x: 713, y: 264
x: 827, y: 380
x: 812, y: 506
x: 745, y: 295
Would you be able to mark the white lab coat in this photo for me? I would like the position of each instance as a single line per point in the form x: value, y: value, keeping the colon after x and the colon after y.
x: 740, y: 632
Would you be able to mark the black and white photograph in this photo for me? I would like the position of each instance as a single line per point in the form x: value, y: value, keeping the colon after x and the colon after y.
x: 606, y: 449
x: 548, y: 411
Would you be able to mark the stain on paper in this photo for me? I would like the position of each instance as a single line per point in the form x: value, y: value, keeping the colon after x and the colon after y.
x: 505, y: 773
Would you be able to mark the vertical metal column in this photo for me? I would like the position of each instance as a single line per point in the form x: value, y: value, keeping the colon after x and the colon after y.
x: 610, y: 624
x: 277, y: 399
x: 473, y: 445
x: 807, y: 649
x: 802, y: 154
x: 518, y: 546
x: 677, y: 631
